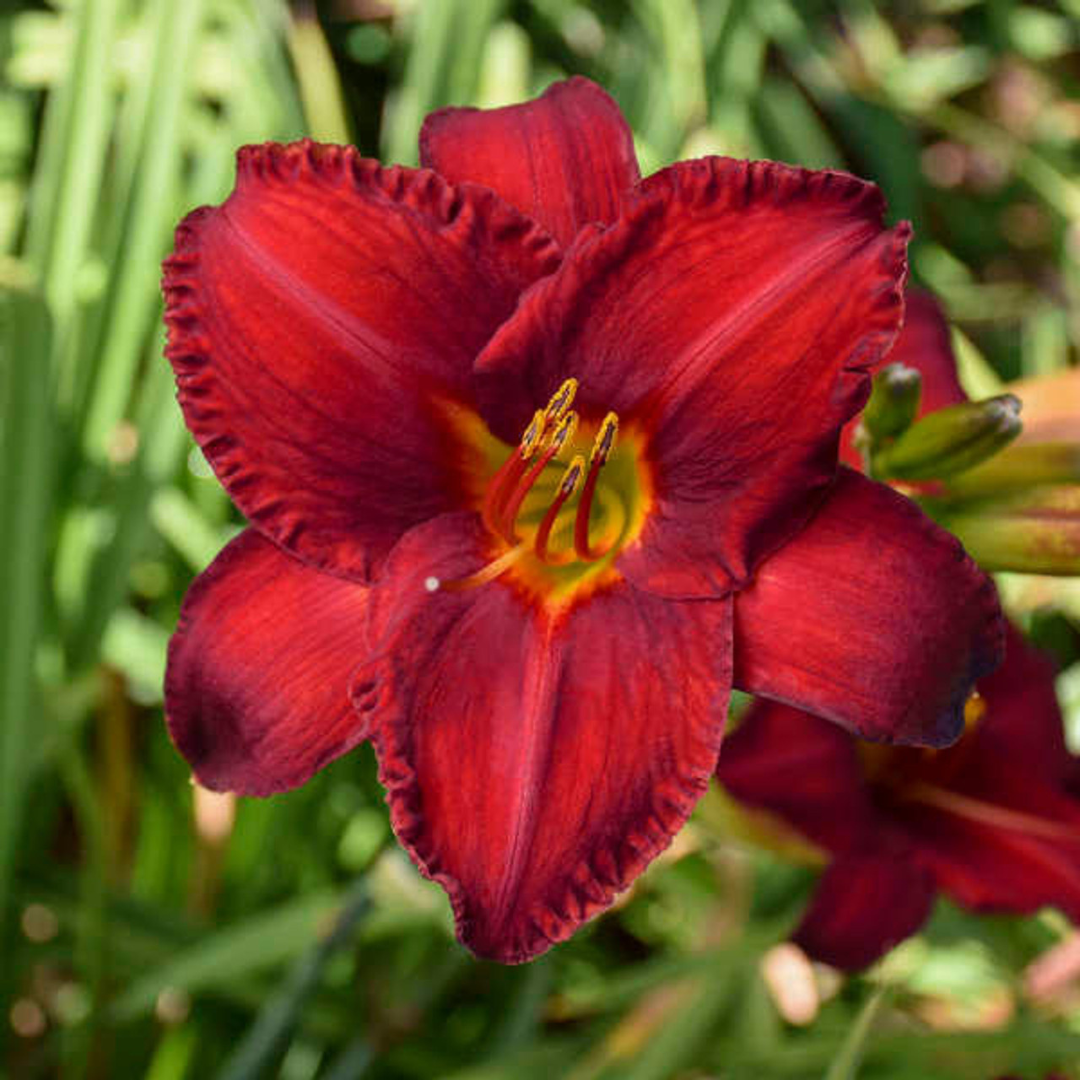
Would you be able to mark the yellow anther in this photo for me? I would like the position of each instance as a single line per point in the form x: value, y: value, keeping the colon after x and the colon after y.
x: 572, y: 477
x: 605, y: 439
x: 563, y: 433
x: 561, y: 400
x: 532, y: 434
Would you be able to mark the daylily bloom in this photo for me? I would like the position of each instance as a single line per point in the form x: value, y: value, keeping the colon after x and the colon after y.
x: 993, y: 821
x: 512, y: 431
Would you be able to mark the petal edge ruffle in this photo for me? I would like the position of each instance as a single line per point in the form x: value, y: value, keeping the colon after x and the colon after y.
x: 315, y: 321
x: 535, y: 761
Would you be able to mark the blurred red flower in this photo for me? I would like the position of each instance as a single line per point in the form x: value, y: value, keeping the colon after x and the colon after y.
x: 993, y: 822
x: 392, y: 371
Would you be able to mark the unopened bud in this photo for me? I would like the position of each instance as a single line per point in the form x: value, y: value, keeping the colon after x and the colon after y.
x: 950, y: 440
x: 1022, y: 465
x: 1033, y: 532
x: 894, y: 402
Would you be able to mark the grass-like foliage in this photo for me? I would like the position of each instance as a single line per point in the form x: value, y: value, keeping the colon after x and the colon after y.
x: 150, y: 929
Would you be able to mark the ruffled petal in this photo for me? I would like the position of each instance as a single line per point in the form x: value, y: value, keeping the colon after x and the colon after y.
x: 316, y: 321
x: 257, y: 685
x: 730, y: 317
x: 872, y: 617
x: 926, y: 345
x: 565, y: 159
x: 537, y: 758
x: 804, y: 770
x: 865, y: 903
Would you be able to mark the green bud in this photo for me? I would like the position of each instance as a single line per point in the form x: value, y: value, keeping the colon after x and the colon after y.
x: 1033, y: 532
x: 950, y: 440
x: 1022, y: 465
x: 894, y: 402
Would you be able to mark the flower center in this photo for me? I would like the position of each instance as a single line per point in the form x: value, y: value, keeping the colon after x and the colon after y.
x: 563, y: 503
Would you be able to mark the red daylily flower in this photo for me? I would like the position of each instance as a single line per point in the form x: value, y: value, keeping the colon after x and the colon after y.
x: 511, y: 435
x: 992, y: 821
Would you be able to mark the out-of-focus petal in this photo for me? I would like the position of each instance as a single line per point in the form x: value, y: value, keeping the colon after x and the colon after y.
x: 537, y: 758
x: 566, y: 158
x: 1022, y: 720
x: 803, y: 769
x: 257, y: 685
x: 865, y: 903
x: 872, y: 617
x: 730, y: 317
x: 317, y: 318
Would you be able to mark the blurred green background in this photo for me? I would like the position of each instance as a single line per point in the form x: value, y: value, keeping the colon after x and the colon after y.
x: 152, y: 930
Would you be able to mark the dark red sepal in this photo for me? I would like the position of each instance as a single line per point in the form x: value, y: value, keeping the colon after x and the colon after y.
x: 566, y: 159
x: 256, y: 688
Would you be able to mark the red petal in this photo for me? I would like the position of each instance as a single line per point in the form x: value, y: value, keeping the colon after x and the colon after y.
x: 1000, y: 837
x: 1023, y: 720
x: 872, y: 617
x: 925, y: 344
x: 731, y: 315
x: 565, y: 159
x: 536, y: 759
x: 803, y: 769
x: 313, y: 320
x: 866, y: 903
x: 256, y: 691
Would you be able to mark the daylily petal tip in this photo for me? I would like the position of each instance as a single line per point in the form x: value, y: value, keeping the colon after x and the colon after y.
x: 565, y: 158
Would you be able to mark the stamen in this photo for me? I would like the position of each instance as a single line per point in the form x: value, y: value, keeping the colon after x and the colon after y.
x: 559, y: 438
x: 509, y: 473
x: 560, y: 401
x: 985, y: 813
x: 567, y: 486
x: 487, y: 573
x: 601, y: 451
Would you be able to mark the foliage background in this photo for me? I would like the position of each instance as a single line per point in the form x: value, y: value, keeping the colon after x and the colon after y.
x: 148, y: 930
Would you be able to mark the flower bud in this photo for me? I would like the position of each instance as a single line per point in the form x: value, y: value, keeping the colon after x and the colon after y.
x: 1036, y: 531
x: 1022, y: 465
x: 894, y: 402
x: 950, y: 440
